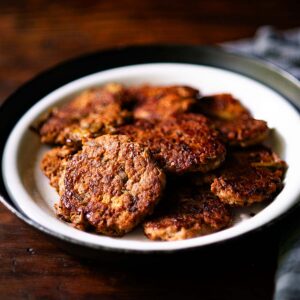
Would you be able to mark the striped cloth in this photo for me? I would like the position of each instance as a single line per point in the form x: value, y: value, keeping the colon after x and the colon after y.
x: 283, y: 50
x: 279, y: 48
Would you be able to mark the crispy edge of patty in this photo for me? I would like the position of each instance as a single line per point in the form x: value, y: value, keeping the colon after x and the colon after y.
x: 111, y: 185
x: 181, y: 143
x: 53, y: 162
x: 249, y: 176
x: 187, y: 214
x: 159, y: 102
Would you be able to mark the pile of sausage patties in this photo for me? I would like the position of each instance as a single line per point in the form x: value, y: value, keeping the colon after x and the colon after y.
x: 162, y: 157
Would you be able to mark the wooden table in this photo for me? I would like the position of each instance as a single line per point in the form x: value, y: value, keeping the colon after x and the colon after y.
x: 35, y: 35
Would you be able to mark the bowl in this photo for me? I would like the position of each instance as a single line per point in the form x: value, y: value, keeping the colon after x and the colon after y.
x: 27, y: 192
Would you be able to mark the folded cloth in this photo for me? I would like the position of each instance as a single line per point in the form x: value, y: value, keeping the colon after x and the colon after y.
x: 279, y: 48
x: 283, y: 50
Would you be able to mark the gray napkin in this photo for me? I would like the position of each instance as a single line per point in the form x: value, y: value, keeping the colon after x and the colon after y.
x: 283, y: 50
x: 279, y: 48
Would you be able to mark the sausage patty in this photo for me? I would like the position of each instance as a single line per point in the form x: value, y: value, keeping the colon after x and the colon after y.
x: 242, y: 132
x: 234, y: 122
x: 110, y: 185
x: 249, y: 176
x: 222, y: 106
x: 92, y: 113
x: 182, y: 143
x: 185, y: 213
x: 158, y: 102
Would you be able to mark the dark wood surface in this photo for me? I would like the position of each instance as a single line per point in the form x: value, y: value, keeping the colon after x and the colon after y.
x: 35, y: 35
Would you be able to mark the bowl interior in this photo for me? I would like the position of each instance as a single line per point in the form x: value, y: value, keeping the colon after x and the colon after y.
x: 31, y: 192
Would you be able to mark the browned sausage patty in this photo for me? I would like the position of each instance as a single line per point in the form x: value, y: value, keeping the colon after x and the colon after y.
x: 111, y: 185
x: 53, y: 161
x: 249, y: 176
x: 234, y: 122
x: 242, y: 132
x: 182, y: 143
x: 186, y: 213
x: 92, y: 113
x: 222, y: 106
x: 158, y: 102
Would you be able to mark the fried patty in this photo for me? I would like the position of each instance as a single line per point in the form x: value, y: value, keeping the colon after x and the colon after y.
x: 158, y: 102
x: 186, y: 213
x: 242, y: 132
x: 110, y: 185
x: 249, y: 176
x: 53, y: 161
x: 92, y: 113
x: 180, y: 144
x: 223, y: 106
x: 234, y: 122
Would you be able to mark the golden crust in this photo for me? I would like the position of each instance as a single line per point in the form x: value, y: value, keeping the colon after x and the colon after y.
x: 158, y: 102
x: 234, y: 122
x: 242, y: 132
x: 223, y: 106
x: 92, y: 113
x: 185, y: 213
x: 53, y: 161
x: 111, y: 185
x: 249, y: 176
x: 180, y: 144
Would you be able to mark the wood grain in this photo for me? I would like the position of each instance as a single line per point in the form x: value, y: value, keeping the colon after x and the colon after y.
x: 37, y: 34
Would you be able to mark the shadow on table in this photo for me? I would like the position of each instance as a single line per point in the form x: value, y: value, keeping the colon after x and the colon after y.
x: 241, y: 269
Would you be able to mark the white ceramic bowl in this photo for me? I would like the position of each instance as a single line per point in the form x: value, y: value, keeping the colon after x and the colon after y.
x: 31, y: 193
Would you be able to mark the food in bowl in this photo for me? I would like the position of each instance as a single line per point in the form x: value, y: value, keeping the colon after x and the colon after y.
x: 163, y: 157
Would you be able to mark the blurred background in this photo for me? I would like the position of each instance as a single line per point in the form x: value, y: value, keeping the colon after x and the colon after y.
x: 36, y: 34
